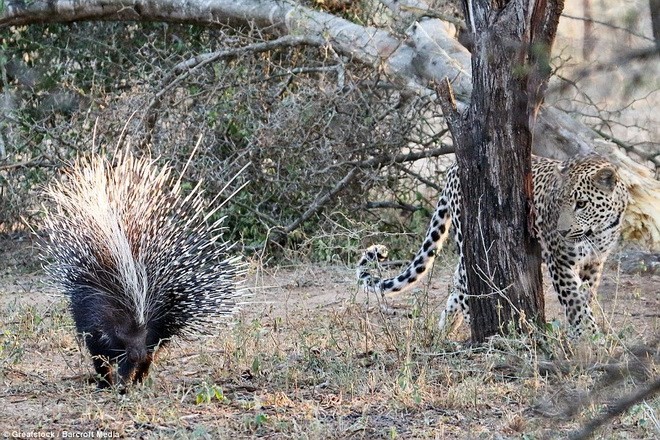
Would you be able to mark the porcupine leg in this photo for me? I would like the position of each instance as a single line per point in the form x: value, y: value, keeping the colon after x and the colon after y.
x: 100, y: 357
x: 142, y: 369
x: 126, y: 369
x: 104, y: 370
x: 134, y: 365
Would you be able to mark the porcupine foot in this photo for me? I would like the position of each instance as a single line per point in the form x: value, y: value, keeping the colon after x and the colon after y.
x: 103, y: 371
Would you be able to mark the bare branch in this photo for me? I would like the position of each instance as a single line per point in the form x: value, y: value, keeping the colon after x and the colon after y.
x: 393, y: 205
x: 616, y: 62
x: 419, y: 177
x: 375, y: 162
x: 445, y: 95
x: 655, y: 158
x: 379, y: 161
x: 39, y: 161
x: 619, y: 407
x: 321, y: 201
x: 609, y: 25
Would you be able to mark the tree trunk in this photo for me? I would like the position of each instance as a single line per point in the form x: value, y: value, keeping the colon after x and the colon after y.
x: 493, y: 141
x: 654, y: 6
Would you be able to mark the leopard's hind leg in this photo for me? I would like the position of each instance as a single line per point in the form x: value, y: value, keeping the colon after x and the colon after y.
x: 457, y: 302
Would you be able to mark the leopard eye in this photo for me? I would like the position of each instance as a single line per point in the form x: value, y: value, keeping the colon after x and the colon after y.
x: 580, y: 204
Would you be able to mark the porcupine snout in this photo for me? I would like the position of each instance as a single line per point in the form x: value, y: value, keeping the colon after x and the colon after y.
x: 136, y: 356
x: 134, y: 339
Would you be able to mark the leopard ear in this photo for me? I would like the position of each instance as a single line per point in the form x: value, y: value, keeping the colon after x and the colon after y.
x: 605, y: 179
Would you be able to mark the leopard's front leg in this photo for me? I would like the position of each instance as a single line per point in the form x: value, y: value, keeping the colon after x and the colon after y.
x: 590, y: 274
x: 575, y: 294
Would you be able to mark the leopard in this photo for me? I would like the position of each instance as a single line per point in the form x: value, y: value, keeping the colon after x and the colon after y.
x: 579, y: 209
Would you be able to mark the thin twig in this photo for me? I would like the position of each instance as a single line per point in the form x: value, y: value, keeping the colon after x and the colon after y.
x: 395, y: 205
x: 401, y: 158
x: 39, y: 161
x: 185, y: 68
x: 630, y: 148
x: 619, y: 407
x: 610, y: 25
x: 321, y: 201
x: 618, y: 62
x: 419, y: 177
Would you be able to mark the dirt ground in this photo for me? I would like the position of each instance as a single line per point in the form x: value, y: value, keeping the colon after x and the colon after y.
x: 311, y: 356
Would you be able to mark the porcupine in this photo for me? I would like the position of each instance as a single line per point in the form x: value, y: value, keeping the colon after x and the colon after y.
x: 138, y: 260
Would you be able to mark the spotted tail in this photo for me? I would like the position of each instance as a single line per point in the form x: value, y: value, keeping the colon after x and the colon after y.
x: 435, y: 237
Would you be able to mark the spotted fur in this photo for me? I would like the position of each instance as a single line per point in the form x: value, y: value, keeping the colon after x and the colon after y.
x: 579, y: 208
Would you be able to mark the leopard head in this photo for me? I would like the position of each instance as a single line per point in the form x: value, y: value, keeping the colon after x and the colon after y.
x: 592, y: 199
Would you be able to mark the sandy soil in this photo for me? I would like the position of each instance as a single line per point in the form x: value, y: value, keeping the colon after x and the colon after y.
x: 44, y: 377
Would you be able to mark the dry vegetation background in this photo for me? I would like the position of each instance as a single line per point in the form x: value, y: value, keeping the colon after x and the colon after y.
x: 338, y: 160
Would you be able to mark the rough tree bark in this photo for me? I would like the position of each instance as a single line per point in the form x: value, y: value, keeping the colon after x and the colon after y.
x: 493, y: 141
